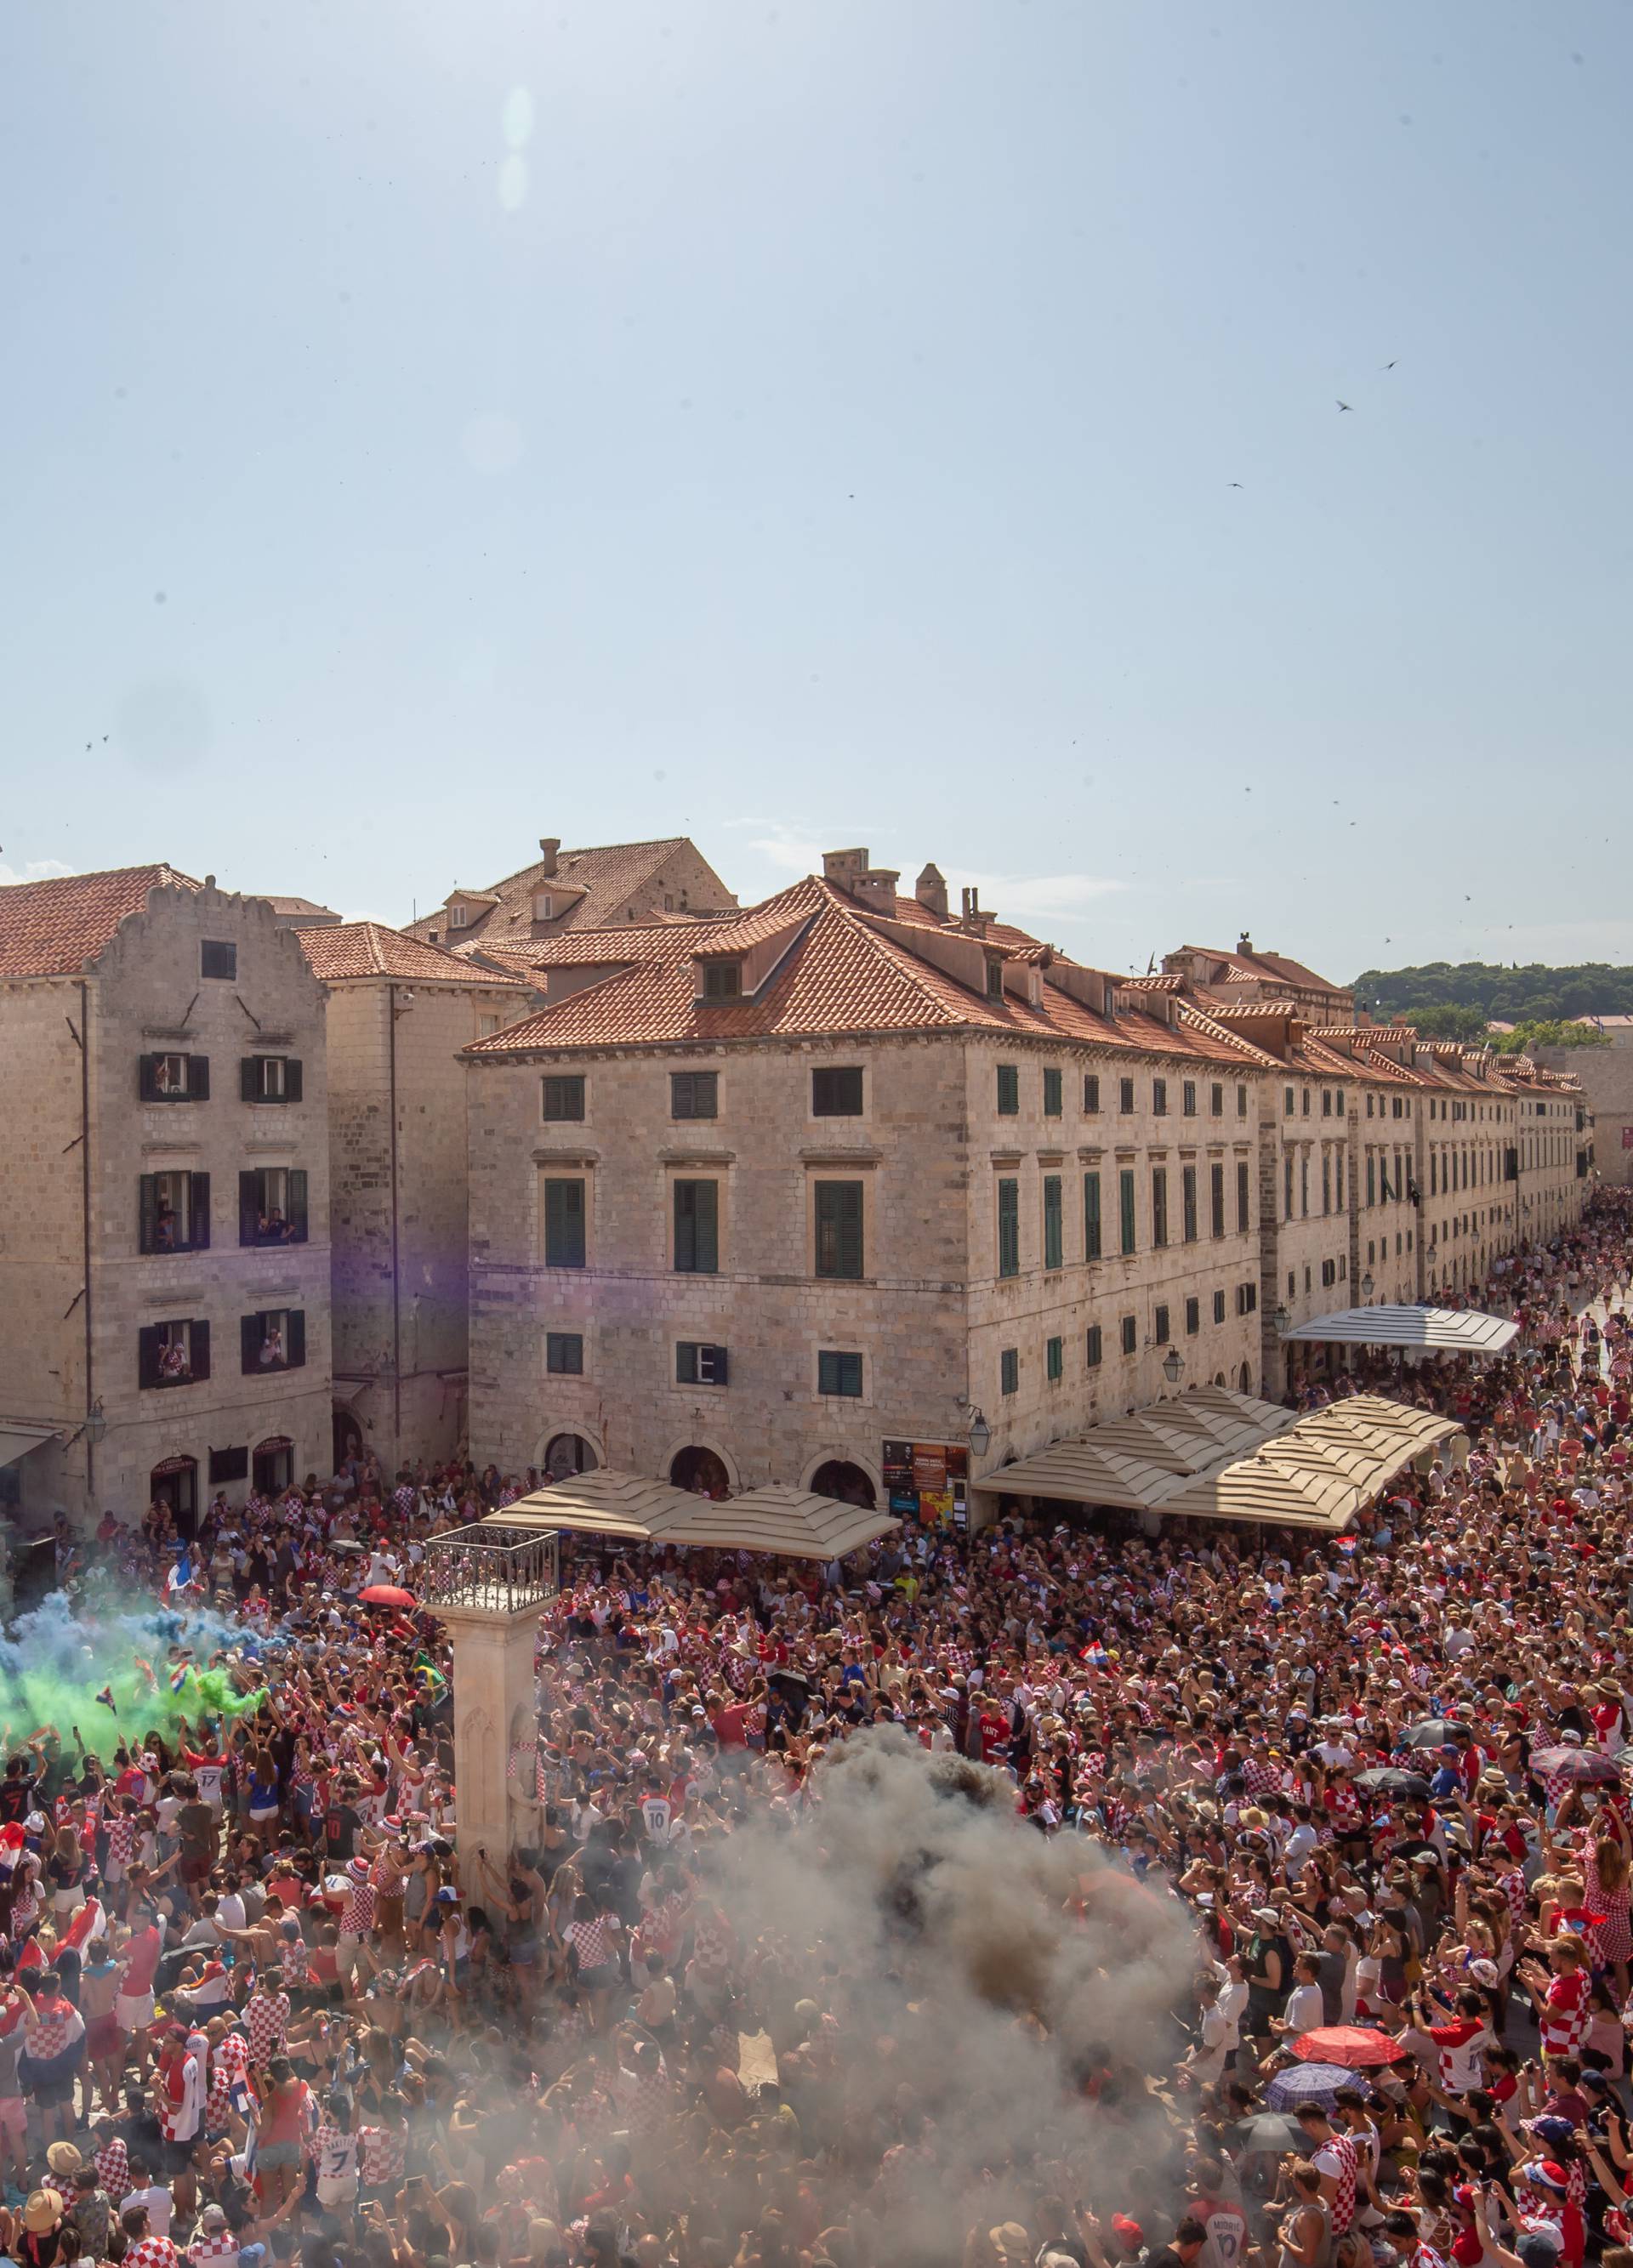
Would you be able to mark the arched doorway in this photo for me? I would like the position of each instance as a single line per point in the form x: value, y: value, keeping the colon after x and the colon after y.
x: 567, y: 1453
x: 175, y: 1483
x: 701, y: 1471
x: 272, y: 1466
x: 1247, y: 1378
x: 348, y: 1436
x: 1219, y: 1378
x: 845, y: 1482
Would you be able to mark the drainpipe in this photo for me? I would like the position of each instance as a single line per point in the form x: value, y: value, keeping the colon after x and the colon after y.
x: 396, y: 1294
x: 85, y: 1193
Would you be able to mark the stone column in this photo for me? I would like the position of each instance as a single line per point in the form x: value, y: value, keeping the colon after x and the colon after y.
x: 494, y: 1693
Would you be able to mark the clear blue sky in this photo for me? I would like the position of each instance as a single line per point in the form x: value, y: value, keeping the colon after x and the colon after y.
x: 432, y: 425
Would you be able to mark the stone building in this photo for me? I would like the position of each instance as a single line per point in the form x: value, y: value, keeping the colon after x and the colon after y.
x: 1606, y: 1077
x: 1251, y: 977
x: 564, y: 890
x: 399, y: 1011
x: 808, y: 1192
x: 163, y: 1195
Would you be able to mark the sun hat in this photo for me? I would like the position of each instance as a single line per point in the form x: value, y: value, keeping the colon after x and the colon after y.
x: 43, y: 2213
x: 63, y: 2158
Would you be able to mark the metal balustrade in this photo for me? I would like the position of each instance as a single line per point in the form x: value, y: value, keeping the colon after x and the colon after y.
x: 491, y: 1568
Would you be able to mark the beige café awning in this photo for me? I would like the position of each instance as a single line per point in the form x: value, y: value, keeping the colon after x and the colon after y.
x: 633, y: 1508
x: 1315, y: 1472
x: 17, y: 1438
x: 1452, y: 1330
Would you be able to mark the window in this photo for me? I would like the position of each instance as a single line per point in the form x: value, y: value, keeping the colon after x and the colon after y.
x: 458, y: 915
x: 564, y: 1354
x: 1054, y: 1241
x: 1244, y: 1204
x: 697, y: 1228
x: 994, y: 977
x: 543, y: 906
x: 1368, y: 1106
x: 722, y: 979
x: 1287, y: 1102
x: 1216, y: 1201
x: 1008, y: 1090
x: 272, y: 1205
x: 1054, y: 1360
x: 1094, y: 1353
x: 173, y: 1212
x: 1051, y: 1094
x: 276, y: 1340
x: 1304, y: 1188
x: 840, y: 1229
x: 1246, y: 1299
x: 1326, y: 1102
x: 1126, y: 1207
x: 1159, y: 1098
x: 228, y: 1465
x: 839, y: 1373
x: 1219, y: 1307
x: 1216, y: 1100
x: 1009, y: 1228
x: 1306, y: 1093
x: 1187, y: 1204
x: 1129, y: 1332
x: 837, y: 1092
x: 1241, y: 1101
x: 1091, y: 1093
x: 218, y: 958
x: 486, y: 1025
x: 1009, y: 1370
x: 1292, y: 1283
x: 173, y: 1354
x: 1371, y: 1179
x: 1125, y: 1096
x: 700, y: 1365
x: 268, y: 1078
x: 1188, y: 1099
x: 1159, y: 1327
x: 1326, y: 1181
x: 1091, y: 1216
x: 1192, y: 1318
x: 1287, y: 1184
x: 694, y: 1093
x: 564, y: 1222
x: 1329, y: 1273
x: 173, y: 1078
x: 1159, y: 1204
x: 1338, y: 1103
x: 563, y: 1096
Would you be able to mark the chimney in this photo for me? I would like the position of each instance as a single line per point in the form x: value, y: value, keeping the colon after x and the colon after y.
x: 877, y: 889
x: 1245, y: 944
x: 841, y: 867
x: 971, y: 917
x: 930, y: 890
x: 549, y: 844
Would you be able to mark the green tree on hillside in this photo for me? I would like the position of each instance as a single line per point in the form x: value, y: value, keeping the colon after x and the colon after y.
x: 1446, y: 1020
x: 1550, y: 1034
x: 1534, y: 993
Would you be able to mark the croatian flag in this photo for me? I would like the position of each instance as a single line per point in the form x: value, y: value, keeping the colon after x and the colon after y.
x: 178, y: 1677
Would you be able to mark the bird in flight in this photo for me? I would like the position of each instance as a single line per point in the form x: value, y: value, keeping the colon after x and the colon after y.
x: 1234, y: 484
x: 1389, y: 365
x: 1345, y: 405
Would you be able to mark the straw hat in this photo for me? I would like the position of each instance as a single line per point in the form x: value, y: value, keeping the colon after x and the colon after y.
x: 43, y: 2213
x: 63, y: 2159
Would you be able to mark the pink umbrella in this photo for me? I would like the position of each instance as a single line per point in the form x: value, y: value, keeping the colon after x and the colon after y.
x: 1356, y: 2046
x: 386, y: 1595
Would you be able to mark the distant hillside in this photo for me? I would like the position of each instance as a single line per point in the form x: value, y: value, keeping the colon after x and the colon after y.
x: 1532, y: 994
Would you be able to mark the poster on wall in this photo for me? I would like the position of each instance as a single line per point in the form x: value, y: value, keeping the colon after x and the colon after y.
x: 1627, y: 1138
x: 927, y: 1481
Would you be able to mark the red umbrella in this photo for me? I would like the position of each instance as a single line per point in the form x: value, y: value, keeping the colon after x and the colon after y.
x: 1356, y: 2046
x: 386, y: 1595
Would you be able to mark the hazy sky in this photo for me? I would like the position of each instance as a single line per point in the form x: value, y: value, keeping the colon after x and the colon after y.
x: 429, y: 425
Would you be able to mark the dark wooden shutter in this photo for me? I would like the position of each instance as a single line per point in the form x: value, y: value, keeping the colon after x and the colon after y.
x: 249, y: 1345
x: 147, y: 1213
x: 147, y: 1078
x: 292, y: 1079
x: 199, y: 1336
x: 295, y: 1337
x: 199, y: 1205
x: 147, y: 1355
x: 249, y: 1207
x: 198, y: 1078
x: 722, y: 1365
x: 249, y: 1078
x: 297, y: 1204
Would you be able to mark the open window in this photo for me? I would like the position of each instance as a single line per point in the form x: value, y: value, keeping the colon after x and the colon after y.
x: 269, y: 1078
x: 173, y: 1354
x: 172, y: 1077
x: 173, y: 1213
x: 273, y: 1340
x: 272, y: 1205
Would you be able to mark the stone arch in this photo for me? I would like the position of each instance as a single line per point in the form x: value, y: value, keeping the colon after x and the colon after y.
x: 836, y: 1455
x: 591, y: 1443
x: 716, y: 1447
x: 847, y: 1482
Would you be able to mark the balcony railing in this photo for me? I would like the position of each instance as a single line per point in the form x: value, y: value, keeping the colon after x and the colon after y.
x: 489, y: 1566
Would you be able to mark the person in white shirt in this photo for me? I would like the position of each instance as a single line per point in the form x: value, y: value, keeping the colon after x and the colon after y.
x: 155, y: 2197
x: 1302, y: 2012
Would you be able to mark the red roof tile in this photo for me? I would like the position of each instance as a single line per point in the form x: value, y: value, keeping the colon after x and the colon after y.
x: 53, y: 928
x: 601, y: 878
x: 337, y: 952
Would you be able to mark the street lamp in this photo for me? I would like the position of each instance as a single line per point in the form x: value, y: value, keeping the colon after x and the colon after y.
x: 1173, y: 1364
x: 1366, y: 1285
x: 1280, y: 1320
x: 96, y: 1425
x: 980, y: 1434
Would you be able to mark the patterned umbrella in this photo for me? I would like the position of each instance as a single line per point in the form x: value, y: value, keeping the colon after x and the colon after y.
x: 1356, y: 2046
x: 1581, y: 1767
x: 1310, y: 2083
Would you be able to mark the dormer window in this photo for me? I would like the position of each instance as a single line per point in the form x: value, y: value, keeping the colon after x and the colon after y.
x: 457, y: 917
x: 994, y: 977
x: 543, y: 906
x: 722, y: 979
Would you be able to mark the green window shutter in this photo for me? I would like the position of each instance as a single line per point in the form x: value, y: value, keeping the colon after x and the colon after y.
x: 295, y: 1339
x: 697, y: 1228
x: 1054, y: 1360
x: 1009, y: 1228
x: 147, y: 1355
x: 292, y: 1079
x: 1244, y: 1207
x: 1095, y: 1348
x: 1053, y: 1253
x: 297, y: 1204
x: 249, y: 1079
x: 1159, y: 1204
x: 839, y: 1373
x: 1125, y: 1206
x: 838, y: 1206
x: 1091, y: 1216
x: 1051, y: 1094
x: 1215, y: 1200
x: 564, y: 1223
x: 147, y: 1213
x: 1008, y: 1090
x: 1187, y: 1203
x: 1009, y: 1371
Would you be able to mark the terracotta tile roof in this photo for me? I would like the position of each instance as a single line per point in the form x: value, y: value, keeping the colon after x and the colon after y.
x: 294, y: 905
x: 601, y: 878
x: 846, y: 975
x: 53, y: 928
x: 337, y: 952
x: 1254, y: 967
x: 1017, y: 944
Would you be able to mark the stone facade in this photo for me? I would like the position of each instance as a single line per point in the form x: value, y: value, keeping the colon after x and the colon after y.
x: 99, y: 1147
x: 1606, y: 1075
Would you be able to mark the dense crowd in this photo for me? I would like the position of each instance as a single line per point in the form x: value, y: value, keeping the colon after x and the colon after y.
x: 254, y: 2011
